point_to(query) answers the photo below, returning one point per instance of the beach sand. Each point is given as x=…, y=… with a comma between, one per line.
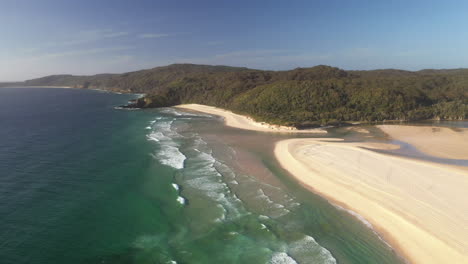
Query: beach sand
x=441, y=142
x=420, y=208
x=239, y=121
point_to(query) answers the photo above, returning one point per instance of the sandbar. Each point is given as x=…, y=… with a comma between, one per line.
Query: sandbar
x=420, y=208
x=443, y=142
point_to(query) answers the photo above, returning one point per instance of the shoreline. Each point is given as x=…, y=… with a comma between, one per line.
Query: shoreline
x=414, y=206
x=243, y=122
x=442, y=142
x=409, y=225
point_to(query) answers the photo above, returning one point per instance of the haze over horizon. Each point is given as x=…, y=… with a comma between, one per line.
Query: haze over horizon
x=87, y=37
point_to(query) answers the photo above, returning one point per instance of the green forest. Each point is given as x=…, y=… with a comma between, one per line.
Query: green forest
x=303, y=97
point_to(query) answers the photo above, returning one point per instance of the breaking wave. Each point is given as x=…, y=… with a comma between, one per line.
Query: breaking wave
x=169, y=150
x=201, y=174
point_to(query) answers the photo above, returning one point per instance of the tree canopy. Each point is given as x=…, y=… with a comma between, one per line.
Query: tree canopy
x=302, y=97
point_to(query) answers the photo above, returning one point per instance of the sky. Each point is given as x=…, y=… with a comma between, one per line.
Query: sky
x=44, y=37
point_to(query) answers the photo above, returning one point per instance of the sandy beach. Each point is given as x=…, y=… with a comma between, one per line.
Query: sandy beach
x=435, y=141
x=239, y=121
x=420, y=208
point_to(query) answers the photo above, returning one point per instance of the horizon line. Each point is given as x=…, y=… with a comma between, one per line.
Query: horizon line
x=223, y=65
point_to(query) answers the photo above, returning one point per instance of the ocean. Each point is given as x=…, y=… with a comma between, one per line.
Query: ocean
x=84, y=182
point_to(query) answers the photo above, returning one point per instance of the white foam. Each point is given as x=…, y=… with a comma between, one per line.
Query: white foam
x=358, y=216
x=126, y=108
x=148, y=127
x=263, y=196
x=263, y=217
x=279, y=213
x=212, y=186
x=206, y=183
x=307, y=248
x=171, y=156
x=295, y=204
x=151, y=138
x=169, y=153
x=279, y=208
x=223, y=214
x=205, y=157
x=156, y=136
x=198, y=141
x=176, y=186
x=204, y=164
x=281, y=258
x=364, y=221
x=181, y=200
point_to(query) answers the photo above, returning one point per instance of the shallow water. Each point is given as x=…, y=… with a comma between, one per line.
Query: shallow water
x=82, y=182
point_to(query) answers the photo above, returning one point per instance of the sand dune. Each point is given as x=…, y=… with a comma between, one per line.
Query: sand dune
x=436, y=141
x=243, y=122
x=420, y=208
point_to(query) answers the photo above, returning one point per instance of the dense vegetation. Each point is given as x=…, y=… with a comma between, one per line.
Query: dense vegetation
x=301, y=97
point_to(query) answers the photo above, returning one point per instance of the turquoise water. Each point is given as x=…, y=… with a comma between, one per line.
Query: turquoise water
x=82, y=182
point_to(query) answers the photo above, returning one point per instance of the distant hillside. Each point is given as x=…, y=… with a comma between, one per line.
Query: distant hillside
x=11, y=84
x=67, y=80
x=144, y=81
x=301, y=97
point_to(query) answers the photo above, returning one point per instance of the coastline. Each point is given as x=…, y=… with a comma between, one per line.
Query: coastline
x=242, y=122
x=408, y=202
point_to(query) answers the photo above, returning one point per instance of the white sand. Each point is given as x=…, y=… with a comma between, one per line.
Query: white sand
x=420, y=208
x=436, y=141
x=239, y=121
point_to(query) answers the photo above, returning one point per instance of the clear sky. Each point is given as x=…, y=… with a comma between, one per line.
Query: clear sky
x=42, y=37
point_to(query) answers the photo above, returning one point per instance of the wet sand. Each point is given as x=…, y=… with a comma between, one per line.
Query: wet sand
x=239, y=121
x=420, y=208
x=440, y=142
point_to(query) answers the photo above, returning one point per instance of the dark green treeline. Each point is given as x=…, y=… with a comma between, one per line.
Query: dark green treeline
x=303, y=97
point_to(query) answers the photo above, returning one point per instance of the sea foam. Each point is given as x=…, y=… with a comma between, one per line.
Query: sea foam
x=181, y=200
x=169, y=150
x=201, y=173
x=171, y=156
x=307, y=248
x=364, y=221
x=281, y=258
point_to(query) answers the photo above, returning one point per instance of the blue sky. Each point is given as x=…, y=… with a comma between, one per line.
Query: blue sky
x=42, y=37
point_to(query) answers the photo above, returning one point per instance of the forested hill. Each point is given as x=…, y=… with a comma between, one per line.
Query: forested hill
x=301, y=97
